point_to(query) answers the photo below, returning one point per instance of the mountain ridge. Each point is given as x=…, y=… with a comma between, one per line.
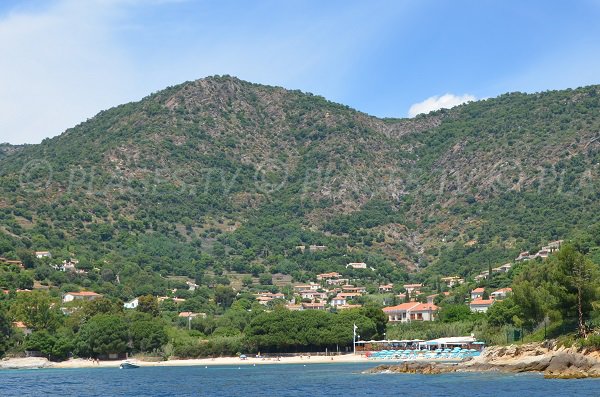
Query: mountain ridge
x=255, y=170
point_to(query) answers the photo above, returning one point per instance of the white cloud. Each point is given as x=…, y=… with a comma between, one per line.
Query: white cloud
x=437, y=102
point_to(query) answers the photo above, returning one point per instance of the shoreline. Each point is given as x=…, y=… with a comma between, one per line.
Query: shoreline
x=546, y=358
x=44, y=363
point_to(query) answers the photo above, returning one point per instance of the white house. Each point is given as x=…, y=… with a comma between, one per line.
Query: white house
x=500, y=294
x=451, y=281
x=477, y=293
x=412, y=289
x=481, y=276
x=411, y=311
x=480, y=305
x=314, y=248
x=303, y=287
x=356, y=290
x=132, y=304
x=43, y=254
x=83, y=295
x=307, y=294
x=326, y=276
x=357, y=265
x=338, y=301
x=314, y=306
x=431, y=298
x=502, y=269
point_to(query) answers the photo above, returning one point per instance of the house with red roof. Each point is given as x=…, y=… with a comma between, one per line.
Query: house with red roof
x=413, y=289
x=313, y=306
x=326, y=276
x=20, y=325
x=191, y=315
x=477, y=293
x=501, y=294
x=411, y=311
x=83, y=295
x=480, y=305
x=338, y=301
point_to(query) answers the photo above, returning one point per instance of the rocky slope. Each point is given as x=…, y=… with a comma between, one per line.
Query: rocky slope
x=220, y=158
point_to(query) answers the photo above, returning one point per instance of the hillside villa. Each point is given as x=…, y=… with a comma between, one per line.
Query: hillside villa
x=313, y=306
x=353, y=289
x=83, y=295
x=413, y=289
x=132, y=304
x=500, y=294
x=411, y=311
x=43, y=254
x=552, y=247
x=480, y=305
x=326, y=276
x=338, y=301
x=357, y=265
x=477, y=293
x=451, y=281
x=15, y=262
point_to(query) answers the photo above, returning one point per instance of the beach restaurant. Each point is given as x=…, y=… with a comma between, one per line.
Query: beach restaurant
x=465, y=342
x=377, y=345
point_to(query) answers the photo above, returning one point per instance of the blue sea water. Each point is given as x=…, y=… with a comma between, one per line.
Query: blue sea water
x=314, y=380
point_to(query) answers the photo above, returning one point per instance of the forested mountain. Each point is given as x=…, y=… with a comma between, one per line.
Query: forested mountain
x=219, y=176
x=7, y=149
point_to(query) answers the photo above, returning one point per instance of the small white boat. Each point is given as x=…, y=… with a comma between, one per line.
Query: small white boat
x=128, y=365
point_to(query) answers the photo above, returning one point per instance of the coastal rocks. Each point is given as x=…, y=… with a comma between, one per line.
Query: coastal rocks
x=25, y=363
x=572, y=365
x=412, y=367
x=553, y=362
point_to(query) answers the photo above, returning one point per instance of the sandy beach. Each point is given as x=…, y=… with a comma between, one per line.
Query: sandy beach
x=38, y=362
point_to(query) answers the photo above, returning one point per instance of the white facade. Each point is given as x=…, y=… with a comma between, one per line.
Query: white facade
x=132, y=304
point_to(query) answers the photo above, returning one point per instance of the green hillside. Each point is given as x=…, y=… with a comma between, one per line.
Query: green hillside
x=219, y=178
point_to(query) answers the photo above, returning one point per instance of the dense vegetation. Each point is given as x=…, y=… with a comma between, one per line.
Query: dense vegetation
x=218, y=181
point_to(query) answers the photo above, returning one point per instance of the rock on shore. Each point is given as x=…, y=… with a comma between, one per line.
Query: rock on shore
x=25, y=363
x=554, y=362
x=412, y=367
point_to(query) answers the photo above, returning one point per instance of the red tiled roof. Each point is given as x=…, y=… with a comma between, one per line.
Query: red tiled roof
x=83, y=293
x=482, y=301
x=402, y=306
x=423, y=307
x=476, y=290
x=187, y=314
x=410, y=306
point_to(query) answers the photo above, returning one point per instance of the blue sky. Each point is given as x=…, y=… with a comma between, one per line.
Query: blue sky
x=64, y=60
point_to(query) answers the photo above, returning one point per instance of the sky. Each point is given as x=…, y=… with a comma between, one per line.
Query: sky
x=63, y=61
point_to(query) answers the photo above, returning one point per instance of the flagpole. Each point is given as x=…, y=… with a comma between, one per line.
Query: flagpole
x=354, y=340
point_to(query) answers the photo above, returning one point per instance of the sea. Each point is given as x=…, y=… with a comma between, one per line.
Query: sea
x=313, y=380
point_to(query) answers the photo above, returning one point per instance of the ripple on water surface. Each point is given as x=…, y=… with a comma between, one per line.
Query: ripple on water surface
x=315, y=380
